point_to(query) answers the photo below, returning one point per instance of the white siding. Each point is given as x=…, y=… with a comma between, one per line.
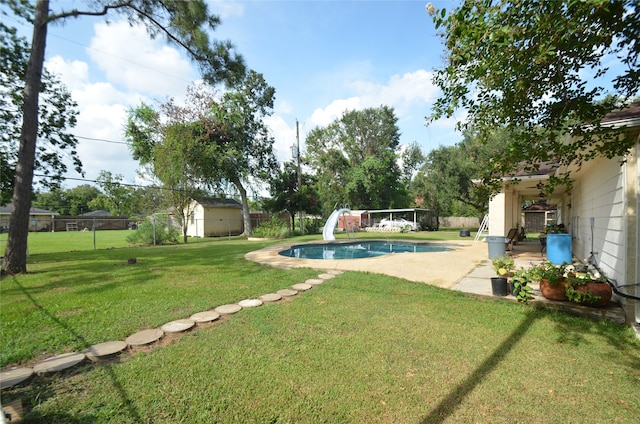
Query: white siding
x=598, y=208
x=195, y=228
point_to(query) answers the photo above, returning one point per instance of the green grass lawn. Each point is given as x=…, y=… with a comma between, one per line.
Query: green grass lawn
x=360, y=348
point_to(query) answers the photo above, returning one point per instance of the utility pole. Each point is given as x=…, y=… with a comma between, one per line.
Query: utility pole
x=299, y=172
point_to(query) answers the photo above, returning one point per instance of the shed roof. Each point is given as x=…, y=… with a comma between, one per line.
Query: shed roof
x=218, y=202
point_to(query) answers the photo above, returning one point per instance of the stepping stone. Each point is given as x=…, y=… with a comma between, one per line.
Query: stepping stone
x=206, y=316
x=101, y=350
x=271, y=297
x=58, y=363
x=326, y=276
x=314, y=281
x=301, y=286
x=287, y=292
x=144, y=337
x=178, y=326
x=14, y=376
x=334, y=272
x=250, y=303
x=231, y=308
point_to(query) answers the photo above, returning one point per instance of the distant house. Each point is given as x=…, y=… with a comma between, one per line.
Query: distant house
x=600, y=212
x=214, y=217
x=39, y=219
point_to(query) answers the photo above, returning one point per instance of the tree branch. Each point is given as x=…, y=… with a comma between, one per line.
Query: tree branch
x=75, y=12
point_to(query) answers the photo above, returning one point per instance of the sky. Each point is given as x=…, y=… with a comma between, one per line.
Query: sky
x=322, y=57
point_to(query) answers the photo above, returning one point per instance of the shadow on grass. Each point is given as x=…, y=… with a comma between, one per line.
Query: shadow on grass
x=72, y=269
x=43, y=390
x=575, y=331
x=449, y=404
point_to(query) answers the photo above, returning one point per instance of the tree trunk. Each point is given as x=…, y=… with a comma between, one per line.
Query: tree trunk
x=15, y=256
x=185, y=227
x=246, y=212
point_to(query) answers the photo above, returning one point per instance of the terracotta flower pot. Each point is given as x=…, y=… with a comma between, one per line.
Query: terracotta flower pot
x=557, y=291
x=602, y=290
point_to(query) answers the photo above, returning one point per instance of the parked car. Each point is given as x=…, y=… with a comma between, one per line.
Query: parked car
x=398, y=222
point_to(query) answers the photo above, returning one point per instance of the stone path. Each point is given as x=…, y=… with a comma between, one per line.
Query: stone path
x=13, y=376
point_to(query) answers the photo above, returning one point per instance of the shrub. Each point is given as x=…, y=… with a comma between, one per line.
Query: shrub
x=164, y=234
x=274, y=228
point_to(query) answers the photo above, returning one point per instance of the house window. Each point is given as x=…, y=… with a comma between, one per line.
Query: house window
x=192, y=217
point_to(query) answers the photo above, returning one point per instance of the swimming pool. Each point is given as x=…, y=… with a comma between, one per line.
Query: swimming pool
x=359, y=249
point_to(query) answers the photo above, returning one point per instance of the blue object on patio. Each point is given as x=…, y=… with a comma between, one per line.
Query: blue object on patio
x=559, y=249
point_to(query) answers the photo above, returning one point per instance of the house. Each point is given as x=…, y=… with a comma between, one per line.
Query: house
x=600, y=211
x=39, y=219
x=212, y=217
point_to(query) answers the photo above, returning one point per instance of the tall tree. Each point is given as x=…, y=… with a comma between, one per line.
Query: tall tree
x=412, y=159
x=208, y=142
x=541, y=69
x=356, y=160
x=168, y=145
x=286, y=195
x=116, y=197
x=57, y=113
x=445, y=182
x=183, y=23
x=241, y=148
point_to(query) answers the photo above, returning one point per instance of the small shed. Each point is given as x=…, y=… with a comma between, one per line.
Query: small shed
x=538, y=215
x=214, y=217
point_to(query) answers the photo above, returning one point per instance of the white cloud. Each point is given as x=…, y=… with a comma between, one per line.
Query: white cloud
x=73, y=74
x=401, y=91
x=129, y=57
x=324, y=116
x=284, y=135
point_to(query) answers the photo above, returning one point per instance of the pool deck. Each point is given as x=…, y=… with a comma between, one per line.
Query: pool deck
x=442, y=269
x=465, y=268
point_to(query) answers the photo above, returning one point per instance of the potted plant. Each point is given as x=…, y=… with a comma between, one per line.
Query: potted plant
x=551, y=279
x=588, y=287
x=503, y=266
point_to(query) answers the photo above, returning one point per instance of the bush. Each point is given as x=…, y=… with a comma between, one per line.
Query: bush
x=164, y=234
x=274, y=228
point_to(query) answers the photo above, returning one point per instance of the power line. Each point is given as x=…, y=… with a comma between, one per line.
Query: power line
x=126, y=184
x=101, y=139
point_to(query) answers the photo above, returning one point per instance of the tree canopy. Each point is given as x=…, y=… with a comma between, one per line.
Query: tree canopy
x=74, y=201
x=57, y=114
x=243, y=152
x=286, y=195
x=208, y=142
x=547, y=72
x=446, y=180
x=168, y=145
x=356, y=161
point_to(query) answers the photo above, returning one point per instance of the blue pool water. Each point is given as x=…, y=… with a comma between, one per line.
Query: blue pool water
x=359, y=249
